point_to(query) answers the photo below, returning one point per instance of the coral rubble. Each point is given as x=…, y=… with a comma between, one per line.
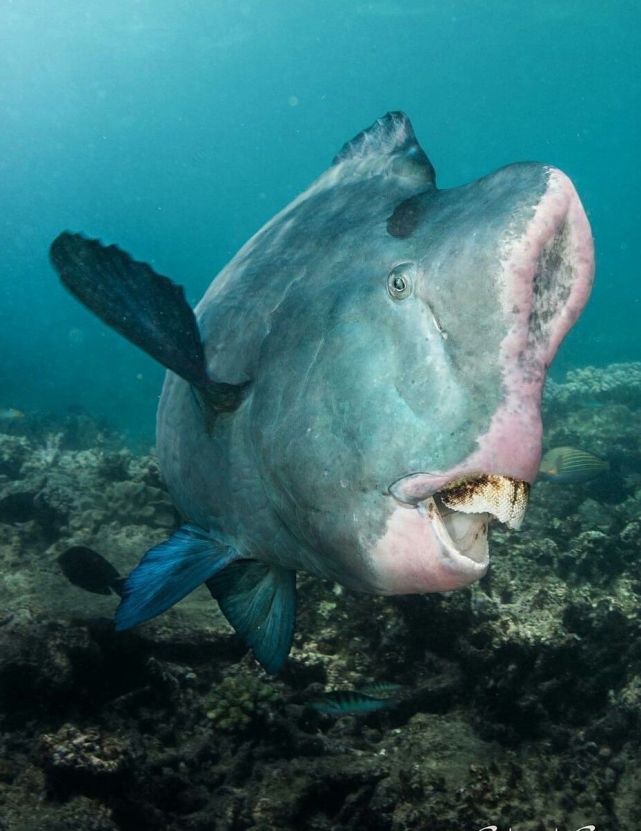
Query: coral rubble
x=521, y=695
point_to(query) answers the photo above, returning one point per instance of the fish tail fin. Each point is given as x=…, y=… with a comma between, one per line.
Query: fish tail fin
x=146, y=308
x=168, y=572
x=260, y=603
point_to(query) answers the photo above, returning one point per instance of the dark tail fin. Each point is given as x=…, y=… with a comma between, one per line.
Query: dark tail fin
x=148, y=309
x=91, y=571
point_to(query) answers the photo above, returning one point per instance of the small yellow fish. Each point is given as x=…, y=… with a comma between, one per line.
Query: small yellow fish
x=10, y=414
x=569, y=465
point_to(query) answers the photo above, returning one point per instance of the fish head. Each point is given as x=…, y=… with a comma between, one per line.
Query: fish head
x=398, y=412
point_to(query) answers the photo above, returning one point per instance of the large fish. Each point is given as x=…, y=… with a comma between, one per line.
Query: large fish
x=358, y=393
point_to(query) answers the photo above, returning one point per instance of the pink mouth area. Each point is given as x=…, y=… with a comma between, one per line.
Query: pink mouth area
x=442, y=543
x=437, y=553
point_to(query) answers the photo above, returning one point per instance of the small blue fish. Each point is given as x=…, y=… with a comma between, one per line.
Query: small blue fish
x=381, y=689
x=571, y=466
x=349, y=702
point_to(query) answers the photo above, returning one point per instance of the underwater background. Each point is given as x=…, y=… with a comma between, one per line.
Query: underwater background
x=176, y=129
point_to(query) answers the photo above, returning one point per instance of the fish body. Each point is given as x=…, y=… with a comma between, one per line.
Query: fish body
x=571, y=466
x=350, y=702
x=354, y=385
x=381, y=689
x=9, y=414
x=89, y=570
x=357, y=394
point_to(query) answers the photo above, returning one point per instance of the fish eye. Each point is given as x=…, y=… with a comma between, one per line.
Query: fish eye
x=399, y=281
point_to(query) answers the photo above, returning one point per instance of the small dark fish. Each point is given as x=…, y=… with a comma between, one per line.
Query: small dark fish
x=381, y=689
x=349, y=702
x=89, y=570
x=569, y=465
x=18, y=507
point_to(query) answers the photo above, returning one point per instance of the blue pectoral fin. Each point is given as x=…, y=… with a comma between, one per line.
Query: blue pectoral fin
x=169, y=571
x=260, y=603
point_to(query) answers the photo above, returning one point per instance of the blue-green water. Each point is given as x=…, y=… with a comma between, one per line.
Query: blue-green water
x=177, y=129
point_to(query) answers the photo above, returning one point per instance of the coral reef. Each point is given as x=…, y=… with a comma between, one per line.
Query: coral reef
x=86, y=759
x=239, y=701
x=521, y=695
x=615, y=383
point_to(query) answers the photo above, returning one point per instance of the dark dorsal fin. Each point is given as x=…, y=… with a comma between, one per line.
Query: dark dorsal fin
x=148, y=309
x=391, y=137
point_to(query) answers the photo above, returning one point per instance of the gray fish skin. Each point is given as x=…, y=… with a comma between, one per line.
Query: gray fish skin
x=351, y=391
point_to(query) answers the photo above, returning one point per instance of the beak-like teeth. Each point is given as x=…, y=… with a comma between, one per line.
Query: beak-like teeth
x=504, y=498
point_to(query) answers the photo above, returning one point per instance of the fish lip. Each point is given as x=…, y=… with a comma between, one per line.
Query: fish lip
x=462, y=509
x=472, y=558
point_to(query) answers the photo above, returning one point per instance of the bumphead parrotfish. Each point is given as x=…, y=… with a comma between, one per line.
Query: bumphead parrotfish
x=357, y=395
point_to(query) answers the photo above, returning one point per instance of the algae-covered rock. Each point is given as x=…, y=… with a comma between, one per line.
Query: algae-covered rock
x=521, y=695
x=14, y=450
x=88, y=752
x=239, y=701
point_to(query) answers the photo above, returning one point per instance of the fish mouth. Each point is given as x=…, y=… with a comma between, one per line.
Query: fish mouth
x=461, y=512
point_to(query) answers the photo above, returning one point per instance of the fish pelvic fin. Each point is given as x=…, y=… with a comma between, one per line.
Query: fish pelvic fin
x=168, y=572
x=259, y=601
x=146, y=308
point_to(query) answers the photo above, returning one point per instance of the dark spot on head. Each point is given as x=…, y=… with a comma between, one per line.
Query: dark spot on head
x=404, y=221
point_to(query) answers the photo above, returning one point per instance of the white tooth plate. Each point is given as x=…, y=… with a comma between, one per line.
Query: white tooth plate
x=503, y=498
x=460, y=534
